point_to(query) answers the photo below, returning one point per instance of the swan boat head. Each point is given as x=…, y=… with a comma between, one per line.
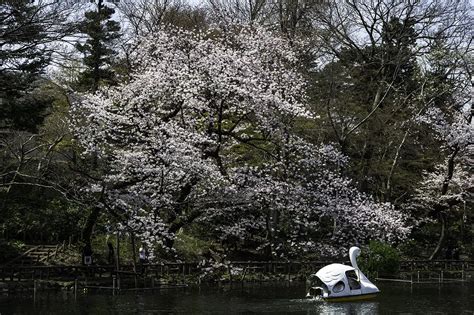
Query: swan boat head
x=338, y=282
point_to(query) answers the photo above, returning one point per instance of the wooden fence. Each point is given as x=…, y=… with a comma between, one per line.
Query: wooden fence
x=240, y=269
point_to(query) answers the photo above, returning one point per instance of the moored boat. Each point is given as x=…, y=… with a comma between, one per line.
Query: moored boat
x=340, y=283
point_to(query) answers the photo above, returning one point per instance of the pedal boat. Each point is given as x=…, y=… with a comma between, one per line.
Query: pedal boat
x=341, y=283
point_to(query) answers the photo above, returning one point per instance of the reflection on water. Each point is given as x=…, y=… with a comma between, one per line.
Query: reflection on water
x=279, y=298
x=349, y=308
x=318, y=306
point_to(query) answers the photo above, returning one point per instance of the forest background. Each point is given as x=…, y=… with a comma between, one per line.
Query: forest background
x=249, y=129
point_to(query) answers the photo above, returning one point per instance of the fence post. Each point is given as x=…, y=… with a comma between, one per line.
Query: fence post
x=184, y=276
x=288, y=266
x=34, y=289
x=75, y=288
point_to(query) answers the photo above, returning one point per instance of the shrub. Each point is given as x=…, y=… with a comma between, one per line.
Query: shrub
x=10, y=250
x=381, y=258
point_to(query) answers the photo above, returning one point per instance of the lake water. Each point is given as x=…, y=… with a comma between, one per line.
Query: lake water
x=281, y=298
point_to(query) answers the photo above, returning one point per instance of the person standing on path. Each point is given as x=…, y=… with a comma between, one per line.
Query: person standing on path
x=111, y=255
x=142, y=255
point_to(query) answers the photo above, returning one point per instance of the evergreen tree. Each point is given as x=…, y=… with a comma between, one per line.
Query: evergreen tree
x=102, y=31
x=347, y=88
x=26, y=29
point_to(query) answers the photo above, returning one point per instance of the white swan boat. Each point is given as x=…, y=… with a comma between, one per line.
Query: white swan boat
x=339, y=283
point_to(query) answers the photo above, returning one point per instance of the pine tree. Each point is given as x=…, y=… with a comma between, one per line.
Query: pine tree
x=102, y=31
x=25, y=30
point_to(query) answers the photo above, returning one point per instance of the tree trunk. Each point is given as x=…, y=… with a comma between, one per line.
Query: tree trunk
x=444, y=191
x=134, y=258
x=388, y=192
x=441, y=237
x=268, y=250
x=366, y=162
x=89, y=226
x=118, y=251
x=176, y=225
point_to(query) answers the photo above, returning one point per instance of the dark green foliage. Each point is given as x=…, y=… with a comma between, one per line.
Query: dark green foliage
x=23, y=56
x=381, y=258
x=22, y=37
x=101, y=31
x=398, y=38
x=377, y=86
x=23, y=105
x=38, y=216
x=9, y=250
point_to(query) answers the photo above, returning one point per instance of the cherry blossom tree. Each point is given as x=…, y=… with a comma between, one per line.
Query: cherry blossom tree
x=448, y=187
x=202, y=134
x=303, y=205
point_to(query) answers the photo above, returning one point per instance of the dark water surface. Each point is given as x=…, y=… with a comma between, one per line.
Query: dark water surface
x=282, y=298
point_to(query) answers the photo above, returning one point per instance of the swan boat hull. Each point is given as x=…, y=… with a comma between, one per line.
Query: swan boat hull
x=351, y=298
